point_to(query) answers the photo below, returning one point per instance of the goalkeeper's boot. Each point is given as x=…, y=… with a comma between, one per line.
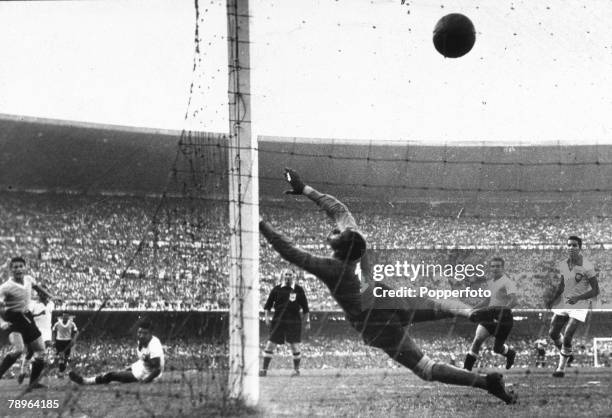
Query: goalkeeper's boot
x=497, y=388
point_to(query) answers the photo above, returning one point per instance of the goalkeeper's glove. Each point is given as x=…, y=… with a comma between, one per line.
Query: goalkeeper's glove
x=293, y=178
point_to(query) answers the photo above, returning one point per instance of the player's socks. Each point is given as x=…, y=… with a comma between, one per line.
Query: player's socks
x=558, y=342
x=504, y=350
x=22, y=366
x=267, y=359
x=470, y=360
x=37, y=367
x=296, y=361
x=563, y=359
x=510, y=357
x=7, y=362
x=564, y=356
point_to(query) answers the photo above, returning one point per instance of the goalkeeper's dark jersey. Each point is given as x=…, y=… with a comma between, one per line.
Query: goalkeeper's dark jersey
x=287, y=302
x=365, y=311
x=339, y=276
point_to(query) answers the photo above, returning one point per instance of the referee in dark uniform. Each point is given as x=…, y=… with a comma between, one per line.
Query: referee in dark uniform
x=286, y=326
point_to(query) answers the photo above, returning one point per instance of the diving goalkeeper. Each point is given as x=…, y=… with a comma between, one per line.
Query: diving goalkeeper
x=381, y=322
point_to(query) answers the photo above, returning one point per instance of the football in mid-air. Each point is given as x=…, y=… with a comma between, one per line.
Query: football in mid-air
x=454, y=35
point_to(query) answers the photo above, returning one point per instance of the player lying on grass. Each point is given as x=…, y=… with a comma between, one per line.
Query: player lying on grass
x=381, y=322
x=148, y=367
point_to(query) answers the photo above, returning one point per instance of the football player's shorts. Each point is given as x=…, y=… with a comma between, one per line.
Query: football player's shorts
x=63, y=347
x=286, y=331
x=408, y=309
x=46, y=334
x=24, y=324
x=500, y=327
x=577, y=314
x=381, y=329
x=140, y=371
x=382, y=325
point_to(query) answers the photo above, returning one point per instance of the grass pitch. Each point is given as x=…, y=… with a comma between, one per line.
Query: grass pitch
x=331, y=392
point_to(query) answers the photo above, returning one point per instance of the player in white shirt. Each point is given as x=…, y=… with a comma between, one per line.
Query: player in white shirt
x=571, y=300
x=15, y=297
x=148, y=367
x=65, y=333
x=503, y=295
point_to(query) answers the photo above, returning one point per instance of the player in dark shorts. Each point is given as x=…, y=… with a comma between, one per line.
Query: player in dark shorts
x=15, y=296
x=64, y=335
x=286, y=325
x=503, y=294
x=382, y=322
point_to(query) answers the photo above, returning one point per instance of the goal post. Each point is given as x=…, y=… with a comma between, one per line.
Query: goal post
x=243, y=214
x=597, y=343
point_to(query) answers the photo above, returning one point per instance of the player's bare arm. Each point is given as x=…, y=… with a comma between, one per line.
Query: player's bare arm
x=75, y=335
x=512, y=301
x=557, y=293
x=155, y=366
x=586, y=295
x=319, y=266
x=42, y=292
x=335, y=209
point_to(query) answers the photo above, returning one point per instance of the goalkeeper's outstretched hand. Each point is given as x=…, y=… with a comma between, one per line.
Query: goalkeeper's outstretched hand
x=293, y=178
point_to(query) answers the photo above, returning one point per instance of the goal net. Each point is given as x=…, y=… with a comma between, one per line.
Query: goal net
x=602, y=352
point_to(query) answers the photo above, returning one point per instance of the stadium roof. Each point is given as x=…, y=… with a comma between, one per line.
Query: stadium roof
x=58, y=155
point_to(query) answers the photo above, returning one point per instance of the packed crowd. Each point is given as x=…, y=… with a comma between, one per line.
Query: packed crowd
x=144, y=253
